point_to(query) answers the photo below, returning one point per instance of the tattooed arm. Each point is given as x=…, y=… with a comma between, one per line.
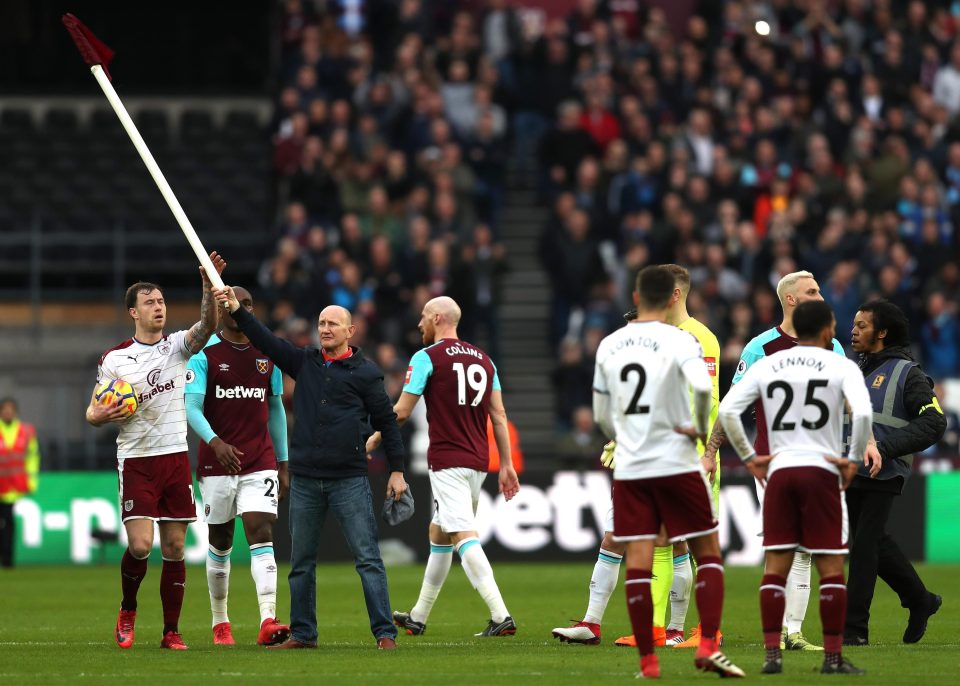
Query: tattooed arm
x=200, y=333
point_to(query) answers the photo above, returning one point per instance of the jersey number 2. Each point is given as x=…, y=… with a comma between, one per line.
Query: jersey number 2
x=812, y=386
x=634, y=407
x=474, y=376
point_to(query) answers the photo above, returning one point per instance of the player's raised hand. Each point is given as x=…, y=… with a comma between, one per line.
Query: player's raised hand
x=509, y=482
x=873, y=460
x=218, y=263
x=758, y=466
x=227, y=455
x=848, y=469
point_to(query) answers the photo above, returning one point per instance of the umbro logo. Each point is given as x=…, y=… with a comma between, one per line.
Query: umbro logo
x=224, y=367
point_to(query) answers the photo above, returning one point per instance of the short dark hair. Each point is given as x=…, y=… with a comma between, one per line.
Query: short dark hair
x=810, y=318
x=890, y=318
x=9, y=401
x=630, y=315
x=130, y=299
x=655, y=285
x=681, y=275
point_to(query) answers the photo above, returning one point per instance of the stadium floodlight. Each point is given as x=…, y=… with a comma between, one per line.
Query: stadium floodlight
x=98, y=56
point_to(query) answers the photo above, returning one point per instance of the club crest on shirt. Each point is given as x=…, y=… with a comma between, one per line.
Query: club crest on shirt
x=878, y=380
x=164, y=348
x=263, y=364
x=127, y=505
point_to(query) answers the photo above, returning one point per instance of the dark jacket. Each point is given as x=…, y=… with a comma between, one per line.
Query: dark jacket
x=926, y=420
x=334, y=405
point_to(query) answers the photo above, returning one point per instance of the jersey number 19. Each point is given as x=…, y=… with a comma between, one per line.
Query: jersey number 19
x=474, y=376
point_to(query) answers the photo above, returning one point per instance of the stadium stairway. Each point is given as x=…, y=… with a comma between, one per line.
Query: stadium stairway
x=527, y=358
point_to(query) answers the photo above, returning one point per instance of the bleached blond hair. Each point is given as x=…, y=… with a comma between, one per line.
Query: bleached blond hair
x=786, y=284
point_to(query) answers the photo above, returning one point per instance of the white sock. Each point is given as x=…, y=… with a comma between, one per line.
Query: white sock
x=438, y=566
x=263, y=568
x=480, y=573
x=680, y=591
x=602, y=582
x=218, y=582
x=798, y=592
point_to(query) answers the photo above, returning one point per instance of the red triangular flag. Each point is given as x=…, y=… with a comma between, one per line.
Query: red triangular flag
x=92, y=49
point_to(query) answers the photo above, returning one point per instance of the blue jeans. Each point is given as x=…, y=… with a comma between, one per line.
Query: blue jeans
x=351, y=502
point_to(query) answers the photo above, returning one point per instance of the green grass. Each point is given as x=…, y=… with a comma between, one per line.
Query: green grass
x=57, y=628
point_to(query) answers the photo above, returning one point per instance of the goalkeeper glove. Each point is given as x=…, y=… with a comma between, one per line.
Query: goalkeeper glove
x=606, y=458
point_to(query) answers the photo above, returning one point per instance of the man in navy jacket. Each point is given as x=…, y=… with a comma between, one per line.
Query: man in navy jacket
x=338, y=397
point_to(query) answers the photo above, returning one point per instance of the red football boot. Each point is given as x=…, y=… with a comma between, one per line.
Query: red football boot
x=172, y=640
x=222, y=635
x=272, y=632
x=124, y=631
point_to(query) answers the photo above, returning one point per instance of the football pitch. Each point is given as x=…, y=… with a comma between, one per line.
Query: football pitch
x=58, y=622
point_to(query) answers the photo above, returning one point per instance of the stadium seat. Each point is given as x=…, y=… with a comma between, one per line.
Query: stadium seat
x=60, y=120
x=16, y=120
x=154, y=127
x=195, y=126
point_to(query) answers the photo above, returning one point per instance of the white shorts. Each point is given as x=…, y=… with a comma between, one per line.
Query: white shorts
x=228, y=497
x=608, y=524
x=456, y=492
x=844, y=531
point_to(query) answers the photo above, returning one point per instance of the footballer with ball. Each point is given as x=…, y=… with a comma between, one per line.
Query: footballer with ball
x=154, y=470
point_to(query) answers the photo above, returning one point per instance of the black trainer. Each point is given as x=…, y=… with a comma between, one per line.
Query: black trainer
x=856, y=641
x=505, y=628
x=917, y=624
x=845, y=667
x=772, y=667
x=411, y=626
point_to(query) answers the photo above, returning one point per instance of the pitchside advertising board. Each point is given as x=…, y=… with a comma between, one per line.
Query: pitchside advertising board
x=74, y=518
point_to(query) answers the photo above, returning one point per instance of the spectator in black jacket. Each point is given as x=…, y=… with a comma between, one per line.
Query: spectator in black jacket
x=338, y=398
x=906, y=419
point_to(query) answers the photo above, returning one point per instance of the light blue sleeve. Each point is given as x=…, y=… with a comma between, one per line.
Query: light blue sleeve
x=276, y=381
x=277, y=426
x=418, y=373
x=837, y=348
x=496, y=378
x=196, y=382
x=195, y=418
x=750, y=354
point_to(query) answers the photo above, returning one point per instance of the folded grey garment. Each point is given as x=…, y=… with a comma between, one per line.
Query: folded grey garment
x=397, y=511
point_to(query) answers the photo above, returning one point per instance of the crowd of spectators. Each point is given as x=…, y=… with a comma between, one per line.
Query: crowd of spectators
x=744, y=141
x=390, y=151
x=829, y=144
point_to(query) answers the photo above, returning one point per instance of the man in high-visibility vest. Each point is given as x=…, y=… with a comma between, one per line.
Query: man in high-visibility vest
x=19, y=465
